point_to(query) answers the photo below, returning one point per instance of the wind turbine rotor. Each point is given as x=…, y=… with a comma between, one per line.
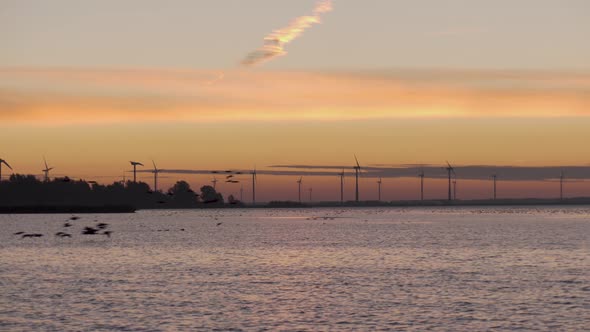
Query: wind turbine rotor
x=2, y=161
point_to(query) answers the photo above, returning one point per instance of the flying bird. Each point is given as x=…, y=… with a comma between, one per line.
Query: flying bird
x=89, y=231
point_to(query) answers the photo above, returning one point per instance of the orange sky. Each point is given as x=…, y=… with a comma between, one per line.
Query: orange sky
x=90, y=122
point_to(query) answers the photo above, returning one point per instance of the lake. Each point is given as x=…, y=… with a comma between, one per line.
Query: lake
x=455, y=269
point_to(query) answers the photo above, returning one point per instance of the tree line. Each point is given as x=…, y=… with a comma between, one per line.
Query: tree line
x=27, y=190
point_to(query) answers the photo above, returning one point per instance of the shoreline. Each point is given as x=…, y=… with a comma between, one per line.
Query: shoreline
x=47, y=209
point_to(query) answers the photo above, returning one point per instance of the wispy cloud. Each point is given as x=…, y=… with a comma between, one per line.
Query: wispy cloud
x=467, y=172
x=63, y=96
x=274, y=44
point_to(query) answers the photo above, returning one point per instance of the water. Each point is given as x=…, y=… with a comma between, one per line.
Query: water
x=456, y=269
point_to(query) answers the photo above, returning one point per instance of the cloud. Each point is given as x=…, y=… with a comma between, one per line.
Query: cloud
x=466, y=172
x=274, y=43
x=94, y=96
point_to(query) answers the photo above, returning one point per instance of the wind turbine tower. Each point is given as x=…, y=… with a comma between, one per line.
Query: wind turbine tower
x=46, y=170
x=254, y=186
x=310, y=191
x=561, y=178
x=495, y=179
x=357, y=170
x=421, y=175
x=299, y=185
x=451, y=171
x=214, y=181
x=135, y=164
x=2, y=161
x=341, y=187
x=156, y=171
x=379, y=189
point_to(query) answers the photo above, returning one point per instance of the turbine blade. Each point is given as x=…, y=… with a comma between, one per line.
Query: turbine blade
x=155, y=168
x=45, y=161
x=357, y=162
x=5, y=163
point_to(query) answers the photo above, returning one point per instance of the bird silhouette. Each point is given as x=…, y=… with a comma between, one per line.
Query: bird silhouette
x=89, y=231
x=32, y=235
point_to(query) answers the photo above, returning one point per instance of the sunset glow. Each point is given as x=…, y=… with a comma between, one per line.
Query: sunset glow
x=394, y=93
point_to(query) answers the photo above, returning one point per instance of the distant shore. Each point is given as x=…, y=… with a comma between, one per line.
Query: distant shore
x=430, y=203
x=290, y=204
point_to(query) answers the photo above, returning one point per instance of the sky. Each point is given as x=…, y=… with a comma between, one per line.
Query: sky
x=92, y=85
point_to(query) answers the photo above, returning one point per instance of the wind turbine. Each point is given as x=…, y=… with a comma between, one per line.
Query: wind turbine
x=46, y=170
x=214, y=181
x=2, y=161
x=310, y=191
x=341, y=187
x=135, y=164
x=357, y=170
x=379, y=190
x=451, y=170
x=561, y=178
x=155, y=171
x=254, y=186
x=495, y=179
x=299, y=185
x=421, y=175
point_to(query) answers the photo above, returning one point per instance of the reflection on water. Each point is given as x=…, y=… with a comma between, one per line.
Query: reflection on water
x=345, y=269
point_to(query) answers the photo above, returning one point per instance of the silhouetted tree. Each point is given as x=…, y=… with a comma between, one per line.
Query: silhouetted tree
x=210, y=196
x=182, y=194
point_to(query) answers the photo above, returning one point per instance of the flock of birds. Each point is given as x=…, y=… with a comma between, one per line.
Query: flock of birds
x=98, y=229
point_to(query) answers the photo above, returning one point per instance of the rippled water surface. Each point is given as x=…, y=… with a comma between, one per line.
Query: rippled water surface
x=318, y=269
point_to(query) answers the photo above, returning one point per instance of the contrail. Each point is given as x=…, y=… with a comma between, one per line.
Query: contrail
x=274, y=44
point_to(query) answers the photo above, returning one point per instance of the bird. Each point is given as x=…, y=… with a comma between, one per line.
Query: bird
x=74, y=218
x=102, y=225
x=89, y=231
x=19, y=233
x=67, y=224
x=32, y=235
x=219, y=223
x=107, y=233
